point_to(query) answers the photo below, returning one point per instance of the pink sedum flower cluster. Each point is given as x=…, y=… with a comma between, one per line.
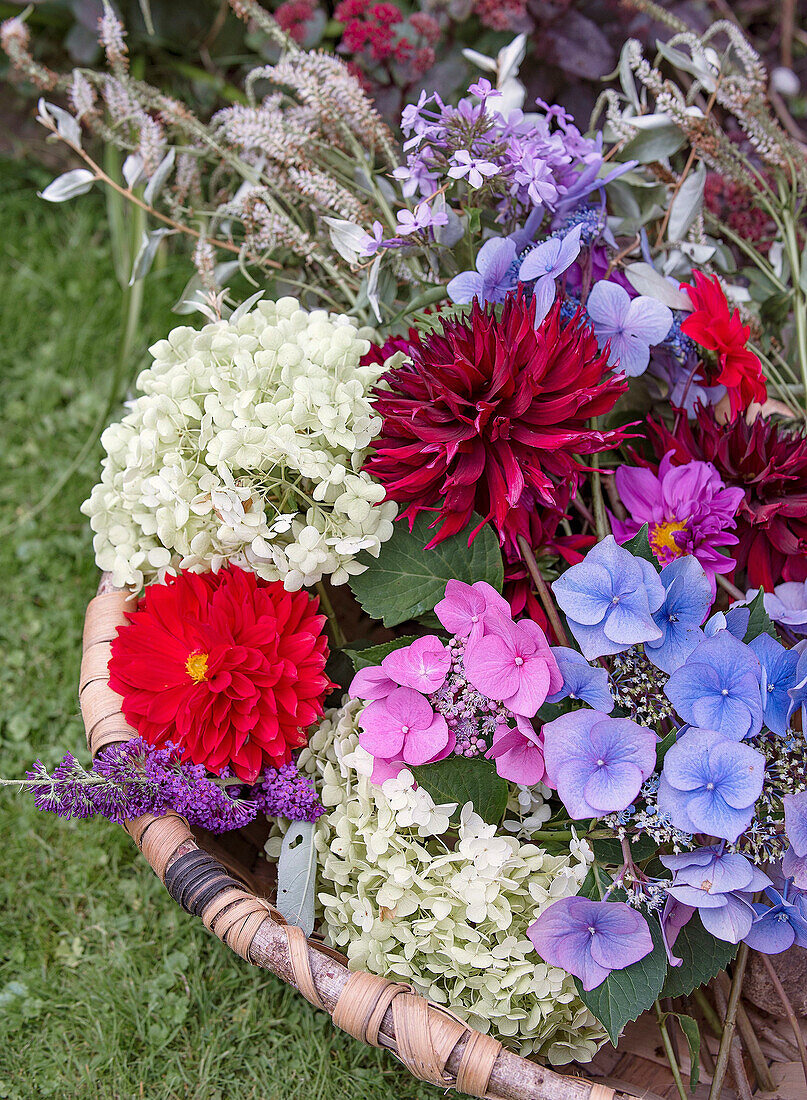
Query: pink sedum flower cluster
x=477, y=694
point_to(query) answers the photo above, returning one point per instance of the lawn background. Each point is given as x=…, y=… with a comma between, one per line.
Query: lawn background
x=108, y=990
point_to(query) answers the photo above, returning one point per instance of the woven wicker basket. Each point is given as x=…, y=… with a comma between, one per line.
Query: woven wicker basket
x=226, y=882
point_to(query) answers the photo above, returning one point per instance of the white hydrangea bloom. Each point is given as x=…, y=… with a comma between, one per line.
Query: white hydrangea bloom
x=451, y=920
x=246, y=445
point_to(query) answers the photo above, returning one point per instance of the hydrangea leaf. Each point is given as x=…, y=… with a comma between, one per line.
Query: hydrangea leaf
x=366, y=656
x=625, y=994
x=462, y=780
x=760, y=621
x=703, y=957
x=407, y=580
x=639, y=546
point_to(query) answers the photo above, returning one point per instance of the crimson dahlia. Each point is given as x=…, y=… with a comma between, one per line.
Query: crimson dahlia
x=228, y=668
x=770, y=464
x=488, y=415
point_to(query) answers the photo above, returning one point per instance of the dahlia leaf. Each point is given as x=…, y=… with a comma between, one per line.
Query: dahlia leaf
x=407, y=580
x=759, y=621
x=462, y=780
x=297, y=875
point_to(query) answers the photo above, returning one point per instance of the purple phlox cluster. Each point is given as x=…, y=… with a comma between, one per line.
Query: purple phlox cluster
x=582, y=681
x=135, y=778
x=590, y=938
x=687, y=508
x=629, y=326
x=710, y=783
x=544, y=263
x=681, y=387
x=609, y=599
x=778, y=677
x=781, y=924
x=718, y=687
x=786, y=605
x=287, y=792
x=597, y=764
x=494, y=277
x=420, y=219
x=720, y=885
x=686, y=604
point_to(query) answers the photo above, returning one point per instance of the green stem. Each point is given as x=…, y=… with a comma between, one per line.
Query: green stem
x=336, y=630
x=668, y=1050
x=729, y=1023
x=799, y=303
x=600, y=515
x=712, y=1018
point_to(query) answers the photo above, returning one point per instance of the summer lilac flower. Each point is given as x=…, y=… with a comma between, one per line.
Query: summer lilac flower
x=609, y=599
x=423, y=665
x=780, y=925
x=518, y=753
x=686, y=604
x=512, y=663
x=687, y=508
x=710, y=783
x=787, y=605
x=631, y=325
x=402, y=729
x=778, y=676
x=717, y=687
x=476, y=169
x=597, y=764
x=720, y=886
x=796, y=821
x=590, y=938
x=423, y=217
x=287, y=792
x=545, y=263
x=493, y=277
x=582, y=681
x=465, y=607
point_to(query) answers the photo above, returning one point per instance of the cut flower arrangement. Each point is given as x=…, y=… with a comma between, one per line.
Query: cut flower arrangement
x=470, y=552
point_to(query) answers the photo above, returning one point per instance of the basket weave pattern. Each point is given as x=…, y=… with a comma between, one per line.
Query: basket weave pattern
x=435, y=1045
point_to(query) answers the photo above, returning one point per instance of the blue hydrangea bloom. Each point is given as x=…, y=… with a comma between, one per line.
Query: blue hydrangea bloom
x=686, y=604
x=796, y=821
x=545, y=263
x=780, y=925
x=709, y=784
x=609, y=599
x=720, y=885
x=735, y=620
x=494, y=275
x=798, y=693
x=629, y=326
x=778, y=676
x=582, y=681
x=718, y=687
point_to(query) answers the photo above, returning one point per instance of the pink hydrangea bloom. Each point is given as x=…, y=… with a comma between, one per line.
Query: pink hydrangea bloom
x=512, y=663
x=519, y=753
x=423, y=665
x=402, y=729
x=687, y=508
x=371, y=683
x=466, y=607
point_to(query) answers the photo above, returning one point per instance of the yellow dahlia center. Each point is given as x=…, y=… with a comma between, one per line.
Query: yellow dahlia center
x=662, y=539
x=196, y=667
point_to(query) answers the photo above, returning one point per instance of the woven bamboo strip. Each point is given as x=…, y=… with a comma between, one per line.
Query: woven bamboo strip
x=434, y=1044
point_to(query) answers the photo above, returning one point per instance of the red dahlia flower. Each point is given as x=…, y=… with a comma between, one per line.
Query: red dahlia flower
x=227, y=667
x=714, y=327
x=488, y=415
x=770, y=465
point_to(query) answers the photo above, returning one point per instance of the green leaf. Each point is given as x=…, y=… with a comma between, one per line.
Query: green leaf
x=626, y=994
x=407, y=580
x=703, y=957
x=639, y=546
x=664, y=746
x=466, y=780
x=654, y=144
x=759, y=621
x=686, y=205
x=370, y=655
x=693, y=1037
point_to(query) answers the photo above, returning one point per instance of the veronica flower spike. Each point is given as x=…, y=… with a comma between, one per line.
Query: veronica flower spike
x=545, y=263
x=631, y=326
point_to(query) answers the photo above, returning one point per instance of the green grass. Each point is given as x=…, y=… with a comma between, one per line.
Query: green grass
x=108, y=991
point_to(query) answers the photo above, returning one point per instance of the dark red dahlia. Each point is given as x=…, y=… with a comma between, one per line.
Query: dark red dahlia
x=770, y=464
x=229, y=668
x=488, y=415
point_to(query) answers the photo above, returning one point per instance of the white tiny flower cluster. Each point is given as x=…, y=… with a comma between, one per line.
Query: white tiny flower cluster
x=449, y=920
x=246, y=446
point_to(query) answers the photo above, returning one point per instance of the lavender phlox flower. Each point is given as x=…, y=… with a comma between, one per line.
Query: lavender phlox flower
x=781, y=924
x=535, y=177
x=590, y=683
x=494, y=275
x=710, y=783
x=631, y=326
x=597, y=764
x=465, y=608
x=475, y=170
x=795, y=805
x=590, y=938
x=609, y=599
x=372, y=241
x=545, y=263
x=422, y=218
x=483, y=89
x=718, y=687
x=720, y=885
x=681, y=390
x=778, y=676
x=686, y=604
x=787, y=605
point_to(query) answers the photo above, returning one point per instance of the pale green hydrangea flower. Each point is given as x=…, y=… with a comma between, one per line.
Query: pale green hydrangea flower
x=246, y=446
x=451, y=921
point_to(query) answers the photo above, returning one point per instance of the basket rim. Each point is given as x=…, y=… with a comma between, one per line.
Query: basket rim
x=434, y=1044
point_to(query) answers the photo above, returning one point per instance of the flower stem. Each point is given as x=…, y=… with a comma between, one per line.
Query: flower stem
x=336, y=630
x=668, y=1050
x=788, y=1007
x=729, y=1023
x=542, y=589
x=732, y=589
x=601, y=523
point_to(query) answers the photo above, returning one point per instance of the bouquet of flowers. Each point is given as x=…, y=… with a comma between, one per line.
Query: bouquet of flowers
x=534, y=400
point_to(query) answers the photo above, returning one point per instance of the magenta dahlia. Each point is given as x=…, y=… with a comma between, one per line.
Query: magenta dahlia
x=488, y=415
